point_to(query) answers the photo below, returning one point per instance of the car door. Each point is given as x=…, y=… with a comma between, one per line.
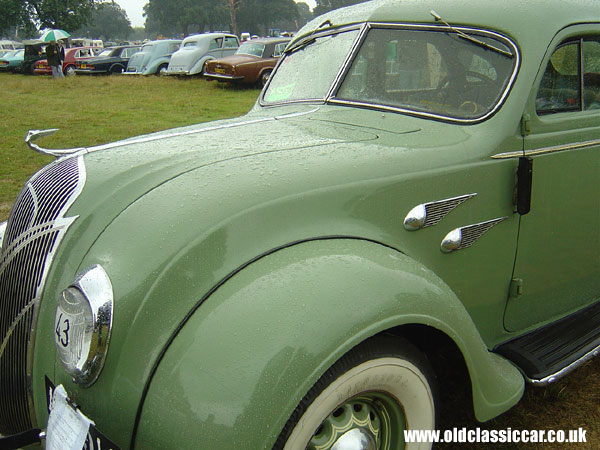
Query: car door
x=557, y=267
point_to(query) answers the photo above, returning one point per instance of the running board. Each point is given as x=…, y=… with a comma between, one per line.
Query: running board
x=551, y=352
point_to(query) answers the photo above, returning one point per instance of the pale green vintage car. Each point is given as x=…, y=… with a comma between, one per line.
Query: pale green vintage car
x=417, y=180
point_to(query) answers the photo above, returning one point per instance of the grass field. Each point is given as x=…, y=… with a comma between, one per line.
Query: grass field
x=92, y=111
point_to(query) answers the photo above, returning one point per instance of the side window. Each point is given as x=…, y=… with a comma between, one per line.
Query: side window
x=559, y=90
x=215, y=43
x=591, y=74
x=231, y=42
x=571, y=81
x=279, y=48
x=173, y=48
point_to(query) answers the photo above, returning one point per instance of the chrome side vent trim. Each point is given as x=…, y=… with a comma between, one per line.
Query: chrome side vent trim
x=33, y=232
x=464, y=237
x=429, y=214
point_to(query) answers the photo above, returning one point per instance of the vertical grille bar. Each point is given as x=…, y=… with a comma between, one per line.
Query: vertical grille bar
x=35, y=227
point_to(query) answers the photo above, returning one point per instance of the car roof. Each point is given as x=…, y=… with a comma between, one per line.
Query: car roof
x=521, y=20
x=195, y=37
x=274, y=40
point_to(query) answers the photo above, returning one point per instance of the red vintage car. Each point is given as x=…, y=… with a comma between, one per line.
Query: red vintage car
x=72, y=56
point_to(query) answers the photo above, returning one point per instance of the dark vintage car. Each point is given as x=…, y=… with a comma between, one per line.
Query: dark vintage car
x=110, y=61
x=411, y=208
x=34, y=51
x=72, y=57
x=252, y=63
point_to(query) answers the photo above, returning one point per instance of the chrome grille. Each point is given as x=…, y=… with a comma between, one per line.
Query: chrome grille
x=35, y=227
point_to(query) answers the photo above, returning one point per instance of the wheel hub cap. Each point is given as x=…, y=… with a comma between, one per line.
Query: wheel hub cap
x=356, y=439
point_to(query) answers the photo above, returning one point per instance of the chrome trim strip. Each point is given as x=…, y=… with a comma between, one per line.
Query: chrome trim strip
x=464, y=237
x=337, y=81
x=431, y=213
x=83, y=150
x=547, y=150
x=566, y=370
x=33, y=135
x=2, y=231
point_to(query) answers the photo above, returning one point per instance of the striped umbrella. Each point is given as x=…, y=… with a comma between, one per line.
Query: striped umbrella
x=54, y=35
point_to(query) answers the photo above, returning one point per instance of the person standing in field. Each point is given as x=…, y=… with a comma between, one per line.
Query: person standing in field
x=53, y=58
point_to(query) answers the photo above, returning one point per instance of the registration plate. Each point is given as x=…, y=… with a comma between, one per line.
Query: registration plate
x=219, y=70
x=83, y=66
x=68, y=428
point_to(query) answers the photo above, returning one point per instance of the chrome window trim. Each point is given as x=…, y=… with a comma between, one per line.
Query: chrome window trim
x=434, y=28
x=547, y=150
x=364, y=29
x=317, y=34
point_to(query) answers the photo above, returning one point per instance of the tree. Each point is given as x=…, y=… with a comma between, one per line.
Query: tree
x=234, y=5
x=327, y=5
x=66, y=14
x=257, y=16
x=108, y=21
x=164, y=16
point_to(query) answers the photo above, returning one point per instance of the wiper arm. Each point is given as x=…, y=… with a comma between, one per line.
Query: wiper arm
x=308, y=40
x=471, y=38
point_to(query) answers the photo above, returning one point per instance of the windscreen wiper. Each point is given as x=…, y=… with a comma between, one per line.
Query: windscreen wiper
x=471, y=38
x=311, y=39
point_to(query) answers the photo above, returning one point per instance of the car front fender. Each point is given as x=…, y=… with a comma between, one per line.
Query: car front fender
x=252, y=348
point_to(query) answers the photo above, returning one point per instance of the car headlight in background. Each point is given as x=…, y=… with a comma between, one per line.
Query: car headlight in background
x=82, y=325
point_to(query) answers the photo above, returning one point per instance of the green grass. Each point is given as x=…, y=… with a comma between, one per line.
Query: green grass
x=96, y=110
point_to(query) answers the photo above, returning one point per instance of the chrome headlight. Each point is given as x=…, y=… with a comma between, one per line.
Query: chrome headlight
x=82, y=325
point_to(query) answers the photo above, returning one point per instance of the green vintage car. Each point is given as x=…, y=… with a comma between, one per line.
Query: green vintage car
x=415, y=189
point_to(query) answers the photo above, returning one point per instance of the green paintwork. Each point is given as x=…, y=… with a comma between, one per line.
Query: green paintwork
x=173, y=218
x=307, y=306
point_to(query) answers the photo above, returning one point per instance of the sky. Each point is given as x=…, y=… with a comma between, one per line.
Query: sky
x=135, y=9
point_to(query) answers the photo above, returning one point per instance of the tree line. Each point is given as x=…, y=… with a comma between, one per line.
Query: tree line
x=108, y=21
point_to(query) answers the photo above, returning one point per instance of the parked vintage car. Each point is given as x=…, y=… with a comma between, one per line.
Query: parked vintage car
x=252, y=63
x=153, y=58
x=6, y=44
x=72, y=57
x=111, y=60
x=12, y=61
x=197, y=49
x=34, y=50
x=415, y=192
